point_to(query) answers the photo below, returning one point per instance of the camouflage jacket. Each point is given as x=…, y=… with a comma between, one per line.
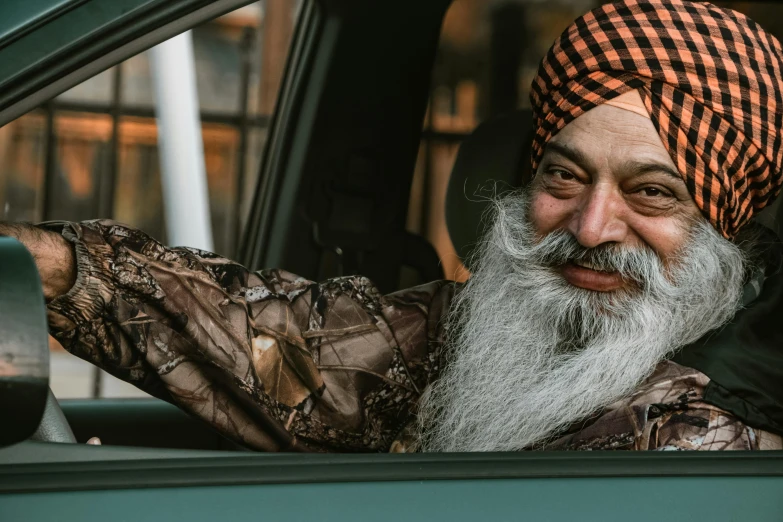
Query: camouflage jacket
x=279, y=363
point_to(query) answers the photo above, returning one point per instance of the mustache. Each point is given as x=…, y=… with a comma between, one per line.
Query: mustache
x=637, y=264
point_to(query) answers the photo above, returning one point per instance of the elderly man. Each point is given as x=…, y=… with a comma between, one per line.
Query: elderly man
x=657, y=141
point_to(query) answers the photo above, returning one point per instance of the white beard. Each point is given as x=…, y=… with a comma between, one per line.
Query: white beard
x=529, y=354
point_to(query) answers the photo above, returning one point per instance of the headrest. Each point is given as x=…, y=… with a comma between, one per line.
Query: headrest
x=493, y=160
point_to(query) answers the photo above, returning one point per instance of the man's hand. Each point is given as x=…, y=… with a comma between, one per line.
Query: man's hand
x=53, y=255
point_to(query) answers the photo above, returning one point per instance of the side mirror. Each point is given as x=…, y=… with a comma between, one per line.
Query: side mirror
x=24, y=344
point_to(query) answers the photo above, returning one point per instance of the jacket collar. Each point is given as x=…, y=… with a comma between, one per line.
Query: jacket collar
x=744, y=359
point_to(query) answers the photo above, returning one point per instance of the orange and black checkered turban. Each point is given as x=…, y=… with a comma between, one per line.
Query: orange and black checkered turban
x=710, y=79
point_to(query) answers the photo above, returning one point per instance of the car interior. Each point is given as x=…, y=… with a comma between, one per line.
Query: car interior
x=490, y=159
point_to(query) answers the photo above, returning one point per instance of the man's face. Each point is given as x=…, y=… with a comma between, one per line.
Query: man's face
x=607, y=178
x=546, y=332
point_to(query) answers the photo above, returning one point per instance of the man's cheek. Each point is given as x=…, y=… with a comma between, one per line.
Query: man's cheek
x=666, y=237
x=547, y=213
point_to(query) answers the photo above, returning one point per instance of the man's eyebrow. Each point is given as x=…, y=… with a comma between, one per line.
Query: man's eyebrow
x=645, y=167
x=571, y=153
x=633, y=166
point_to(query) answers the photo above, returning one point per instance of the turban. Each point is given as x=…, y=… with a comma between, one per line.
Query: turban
x=710, y=79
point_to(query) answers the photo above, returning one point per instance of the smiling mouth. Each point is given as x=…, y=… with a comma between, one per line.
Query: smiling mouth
x=584, y=274
x=587, y=264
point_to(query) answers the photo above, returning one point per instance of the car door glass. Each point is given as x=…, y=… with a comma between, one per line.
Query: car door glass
x=92, y=152
x=487, y=58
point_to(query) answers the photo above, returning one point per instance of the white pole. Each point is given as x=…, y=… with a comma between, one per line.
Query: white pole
x=180, y=145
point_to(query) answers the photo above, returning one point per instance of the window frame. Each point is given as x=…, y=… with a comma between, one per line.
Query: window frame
x=99, y=468
x=110, y=41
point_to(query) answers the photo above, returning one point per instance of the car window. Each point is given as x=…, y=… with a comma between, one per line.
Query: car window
x=487, y=58
x=92, y=152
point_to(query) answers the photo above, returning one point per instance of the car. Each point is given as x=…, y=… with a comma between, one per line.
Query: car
x=332, y=197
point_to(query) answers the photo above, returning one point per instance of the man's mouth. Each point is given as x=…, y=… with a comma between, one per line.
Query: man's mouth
x=585, y=275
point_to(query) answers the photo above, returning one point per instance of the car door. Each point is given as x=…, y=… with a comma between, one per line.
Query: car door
x=100, y=484
x=327, y=125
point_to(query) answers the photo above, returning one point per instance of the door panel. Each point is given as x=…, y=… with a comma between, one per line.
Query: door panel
x=606, y=499
x=549, y=486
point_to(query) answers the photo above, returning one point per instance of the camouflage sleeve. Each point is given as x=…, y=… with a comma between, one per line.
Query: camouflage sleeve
x=667, y=412
x=271, y=360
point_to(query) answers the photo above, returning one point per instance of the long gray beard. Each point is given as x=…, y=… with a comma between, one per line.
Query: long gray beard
x=530, y=354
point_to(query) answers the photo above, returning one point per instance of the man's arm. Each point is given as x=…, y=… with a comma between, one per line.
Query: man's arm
x=271, y=360
x=53, y=255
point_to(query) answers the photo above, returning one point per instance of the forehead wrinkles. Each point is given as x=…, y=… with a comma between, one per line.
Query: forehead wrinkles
x=610, y=134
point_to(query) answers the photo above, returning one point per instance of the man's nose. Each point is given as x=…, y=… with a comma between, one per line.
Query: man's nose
x=598, y=219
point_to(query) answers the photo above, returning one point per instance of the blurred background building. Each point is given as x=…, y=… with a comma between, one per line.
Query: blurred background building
x=92, y=152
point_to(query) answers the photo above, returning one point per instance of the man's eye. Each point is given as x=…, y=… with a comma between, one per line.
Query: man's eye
x=653, y=192
x=562, y=175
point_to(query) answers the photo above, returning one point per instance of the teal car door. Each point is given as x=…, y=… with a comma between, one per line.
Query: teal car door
x=544, y=486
